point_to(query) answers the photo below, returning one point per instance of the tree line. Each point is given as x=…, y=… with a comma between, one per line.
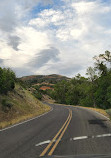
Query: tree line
x=93, y=90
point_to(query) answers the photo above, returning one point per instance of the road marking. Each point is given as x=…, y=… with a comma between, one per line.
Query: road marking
x=101, y=114
x=104, y=135
x=77, y=138
x=82, y=137
x=92, y=137
x=25, y=121
x=60, y=137
x=42, y=143
x=54, y=139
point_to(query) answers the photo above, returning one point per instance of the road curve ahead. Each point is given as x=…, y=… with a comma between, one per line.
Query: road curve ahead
x=65, y=130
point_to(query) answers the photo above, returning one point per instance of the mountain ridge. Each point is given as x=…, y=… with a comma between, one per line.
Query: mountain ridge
x=52, y=78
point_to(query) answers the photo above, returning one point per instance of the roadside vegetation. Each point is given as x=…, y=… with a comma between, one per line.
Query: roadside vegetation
x=7, y=80
x=94, y=90
x=16, y=102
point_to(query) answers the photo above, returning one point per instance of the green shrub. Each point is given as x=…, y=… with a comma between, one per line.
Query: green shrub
x=7, y=80
x=6, y=105
x=86, y=102
x=37, y=95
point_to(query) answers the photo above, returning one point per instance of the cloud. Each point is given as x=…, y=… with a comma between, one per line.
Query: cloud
x=13, y=12
x=66, y=68
x=8, y=17
x=38, y=39
x=14, y=41
x=1, y=61
x=20, y=71
x=44, y=57
x=13, y=15
x=29, y=4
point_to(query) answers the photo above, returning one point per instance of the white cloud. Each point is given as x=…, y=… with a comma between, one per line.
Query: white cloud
x=88, y=7
x=77, y=30
x=32, y=40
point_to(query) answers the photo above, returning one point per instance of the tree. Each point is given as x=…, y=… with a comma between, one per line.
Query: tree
x=60, y=90
x=103, y=66
x=7, y=80
x=92, y=91
x=106, y=57
x=92, y=77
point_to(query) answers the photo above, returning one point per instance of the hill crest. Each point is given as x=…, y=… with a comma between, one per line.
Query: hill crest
x=52, y=78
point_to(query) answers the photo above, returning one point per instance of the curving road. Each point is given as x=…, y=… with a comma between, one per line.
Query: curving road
x=65, y=130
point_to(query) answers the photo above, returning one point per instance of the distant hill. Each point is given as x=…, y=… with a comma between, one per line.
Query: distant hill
x=50, y=79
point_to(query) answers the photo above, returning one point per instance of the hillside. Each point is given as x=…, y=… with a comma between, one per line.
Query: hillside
x=40, y=85
x=50, y=79
x=23, y=106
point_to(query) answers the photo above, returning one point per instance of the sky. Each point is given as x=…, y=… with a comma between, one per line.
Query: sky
x=53, y=36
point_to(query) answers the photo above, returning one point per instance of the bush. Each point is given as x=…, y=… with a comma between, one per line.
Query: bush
x=86, y=102
x=37, y=95
x=7, y=80
x=6, y=105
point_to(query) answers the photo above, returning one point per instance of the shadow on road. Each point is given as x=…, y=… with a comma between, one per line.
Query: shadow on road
x=99, y=122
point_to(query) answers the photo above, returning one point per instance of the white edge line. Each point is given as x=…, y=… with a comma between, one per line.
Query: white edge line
x=100, y=114
x=25, y=121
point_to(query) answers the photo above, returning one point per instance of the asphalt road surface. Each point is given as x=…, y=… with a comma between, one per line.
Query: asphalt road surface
x=65, y=130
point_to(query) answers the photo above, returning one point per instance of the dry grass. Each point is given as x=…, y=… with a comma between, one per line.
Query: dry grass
x=48, y=99
x=109, y=113
x=25, y=106
x=22, y=118
x=101, y=111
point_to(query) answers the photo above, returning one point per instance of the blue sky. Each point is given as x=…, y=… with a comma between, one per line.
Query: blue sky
x=53, y=37
x=40, y=7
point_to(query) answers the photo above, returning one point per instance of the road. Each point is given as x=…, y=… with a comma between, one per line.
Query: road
x=65, y=130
